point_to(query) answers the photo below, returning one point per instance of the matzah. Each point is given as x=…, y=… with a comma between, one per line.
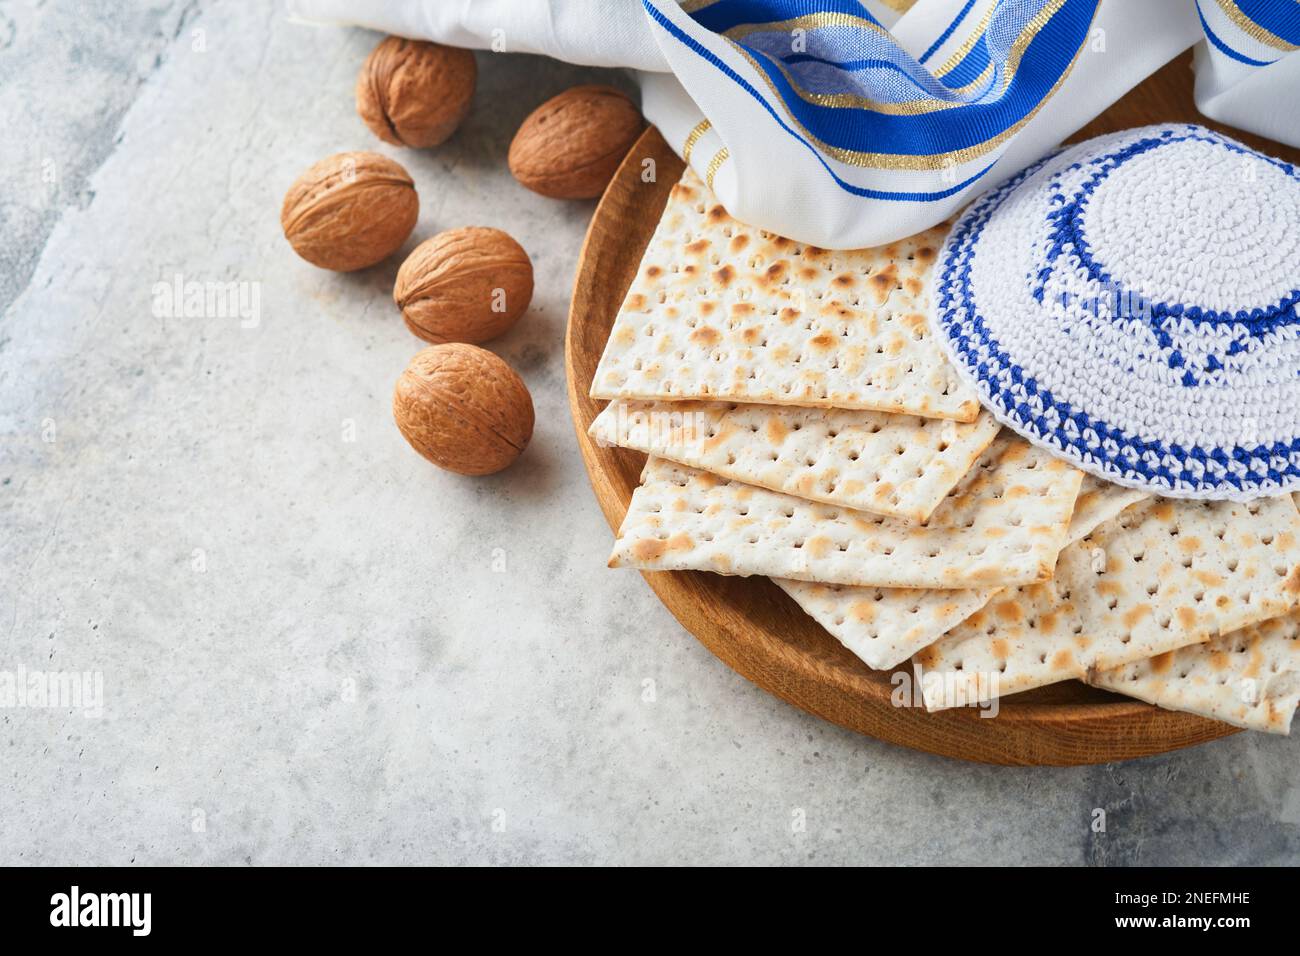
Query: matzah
x=897, y=465
x=723, y=311
x=1098, y=502
x=1250, y=678
x=1003, y=524
x=886, y=626
x=1162, y=575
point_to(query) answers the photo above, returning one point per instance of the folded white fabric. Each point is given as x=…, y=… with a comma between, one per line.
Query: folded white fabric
x=1247, y=71
x=589, y=32
x=843, y=124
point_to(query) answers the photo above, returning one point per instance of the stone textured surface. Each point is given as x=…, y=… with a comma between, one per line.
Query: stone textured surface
x=317, y=649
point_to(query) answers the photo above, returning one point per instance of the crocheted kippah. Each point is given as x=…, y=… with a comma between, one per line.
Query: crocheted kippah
x=1130, y=304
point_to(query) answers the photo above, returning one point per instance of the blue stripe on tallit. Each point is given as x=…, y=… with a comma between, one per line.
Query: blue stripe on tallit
x=1279, y=17
x=1223, y=47
x=860, y=130
x=727, y=14
x=943, y=37
x=867, y=193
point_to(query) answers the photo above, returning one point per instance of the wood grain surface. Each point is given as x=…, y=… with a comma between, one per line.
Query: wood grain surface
x=750, y=623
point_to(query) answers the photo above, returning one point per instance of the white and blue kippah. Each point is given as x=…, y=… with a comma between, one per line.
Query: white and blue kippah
x=1129, y=303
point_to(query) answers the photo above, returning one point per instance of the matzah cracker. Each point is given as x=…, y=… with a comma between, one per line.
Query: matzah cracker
x=886, y=626
x=897, y=465
x=1004, y=523
x=1162, y=575
x=723, y=311
x=1098, y=502
x=1250, y=678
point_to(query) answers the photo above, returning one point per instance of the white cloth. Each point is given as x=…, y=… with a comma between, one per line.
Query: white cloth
x=1247, y=75
x=773, y=157
x=612, y=33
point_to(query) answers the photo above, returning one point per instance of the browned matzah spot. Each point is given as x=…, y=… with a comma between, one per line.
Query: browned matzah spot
x=722, y=311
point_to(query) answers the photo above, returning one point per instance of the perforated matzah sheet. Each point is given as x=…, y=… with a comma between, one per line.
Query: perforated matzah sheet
x=1098, y=502
x=1250, y=678
x=886, y=626
x=1161, y=575
x=897, y=465
x=1003, y=523
x=722, y=311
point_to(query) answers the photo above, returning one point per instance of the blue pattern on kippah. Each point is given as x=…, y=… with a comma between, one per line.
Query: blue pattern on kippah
x=1017, y=398
x=1067, y=234
x=1068, y=231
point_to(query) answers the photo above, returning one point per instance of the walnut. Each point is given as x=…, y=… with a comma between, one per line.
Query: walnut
x=569, y=147
x=350, y=211
x=464, y=285
x=414, y=93
x=463, y=408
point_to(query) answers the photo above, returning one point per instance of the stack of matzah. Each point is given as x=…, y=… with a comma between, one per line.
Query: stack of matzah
x=802, y=424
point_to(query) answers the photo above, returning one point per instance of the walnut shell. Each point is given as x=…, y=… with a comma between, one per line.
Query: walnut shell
x=464, y=285
x=415, y=93
x=463, y=408
x=569, y=147
x=350, y=211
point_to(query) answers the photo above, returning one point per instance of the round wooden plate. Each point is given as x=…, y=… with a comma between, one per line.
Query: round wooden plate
x=759, y=631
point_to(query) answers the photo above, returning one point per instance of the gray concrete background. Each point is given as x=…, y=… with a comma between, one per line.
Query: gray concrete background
x=322, y=650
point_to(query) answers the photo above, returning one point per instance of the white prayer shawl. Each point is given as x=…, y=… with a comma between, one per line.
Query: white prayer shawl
x=848, y=124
